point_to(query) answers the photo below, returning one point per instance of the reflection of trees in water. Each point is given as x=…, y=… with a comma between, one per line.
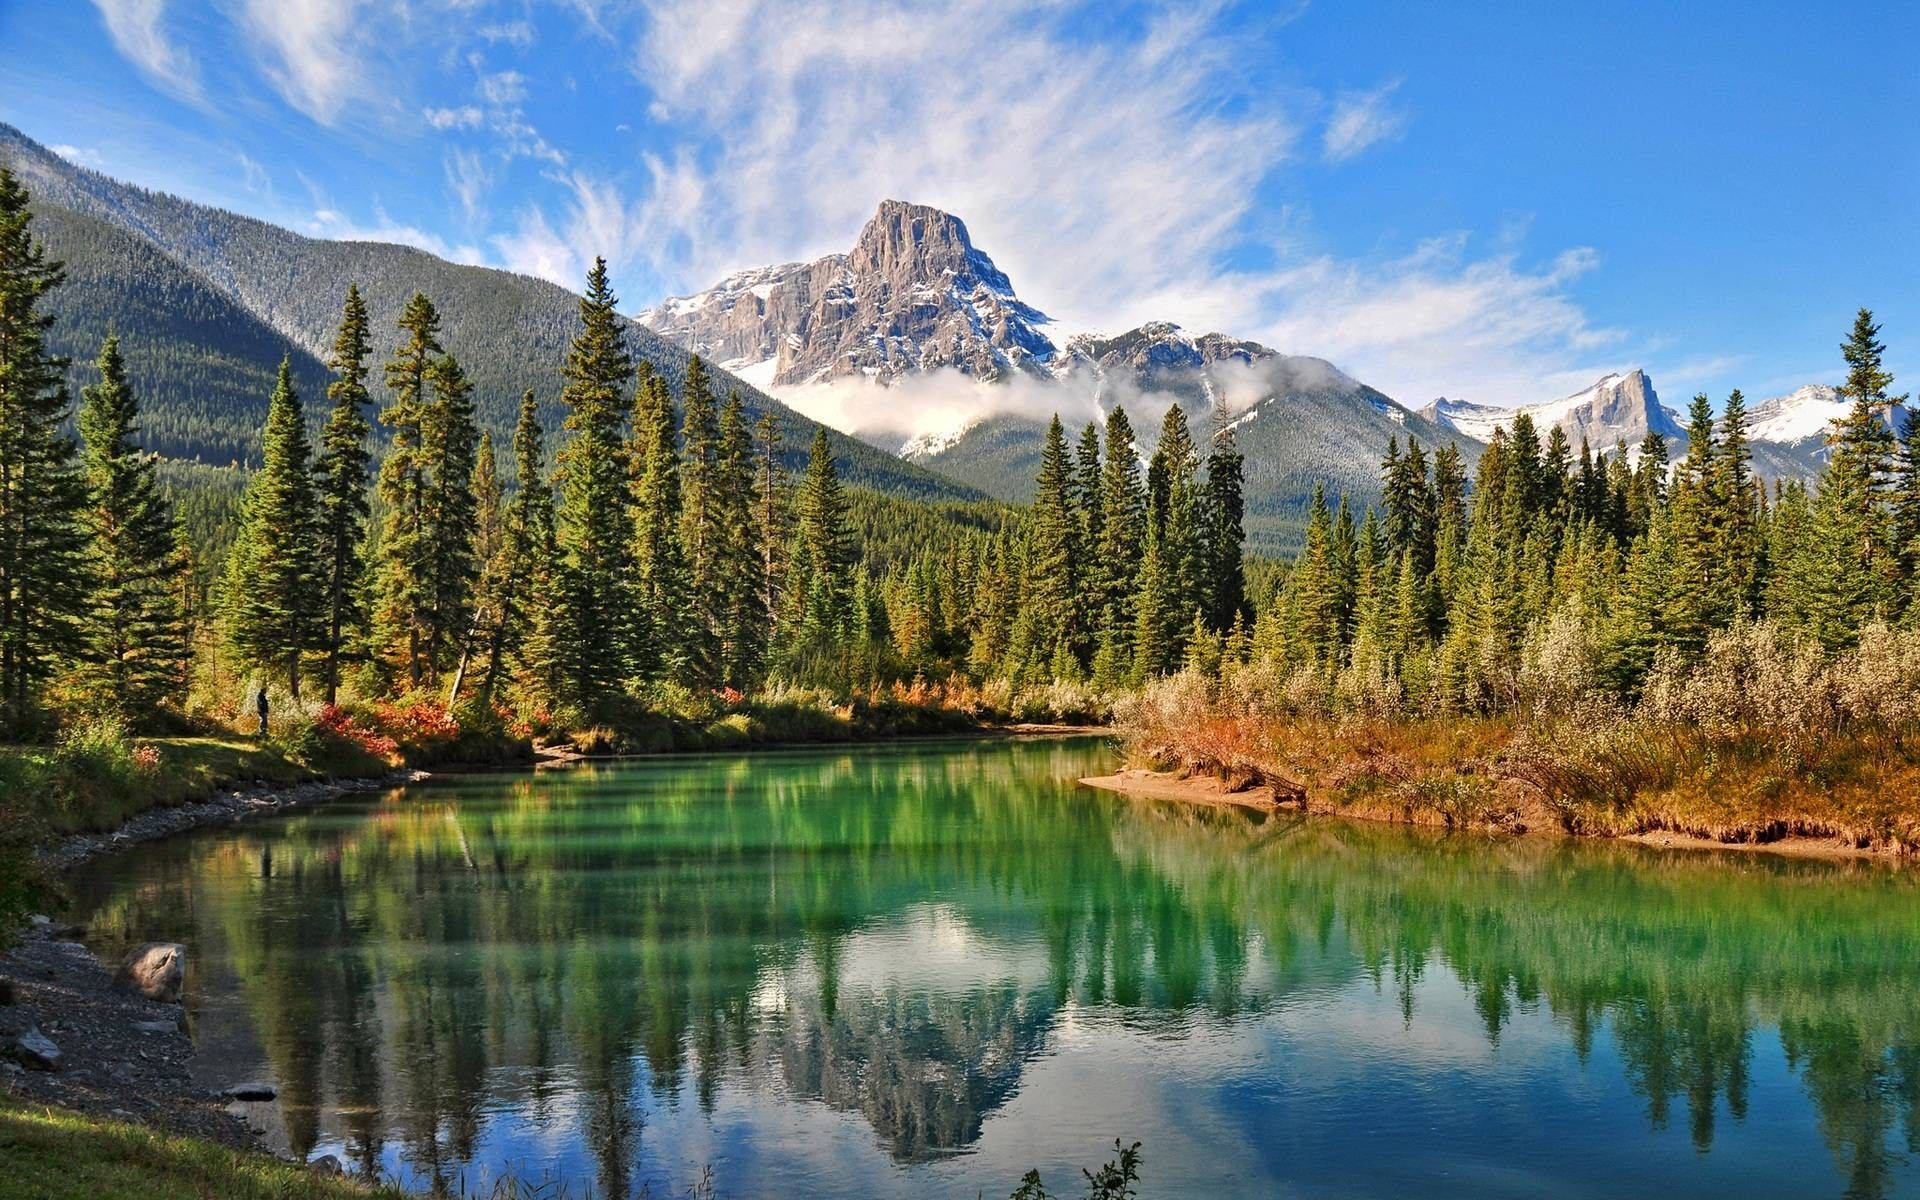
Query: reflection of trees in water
x=581, y=936
x=1680, y=957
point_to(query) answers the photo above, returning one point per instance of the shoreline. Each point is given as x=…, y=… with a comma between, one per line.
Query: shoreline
x=116, y=1061
x=229, y=805
x=1208, y=791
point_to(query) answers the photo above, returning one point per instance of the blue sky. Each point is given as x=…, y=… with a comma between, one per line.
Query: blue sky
x=1491, y=202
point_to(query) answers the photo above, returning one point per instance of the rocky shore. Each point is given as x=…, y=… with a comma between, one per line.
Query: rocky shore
x=228, y=805
x=74, y=1037
x=70, y=1037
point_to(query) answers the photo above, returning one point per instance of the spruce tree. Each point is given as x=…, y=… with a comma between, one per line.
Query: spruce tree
x=591, y=526
x=773, y=512
x=406, y=567
x=489, y=548
x=1116, y=559
x=738, y=582
x=273, y=605
x=1224, y=576
x=452, y=442
x=824, y=559
x=1048, y=635
x=1852, y=508
x=1906, y=515
x=702, y=538
x=529, y=621
x=137, y=632
x=660, y=587
x=1739, y=527
x=340, y=481
x=43, y=574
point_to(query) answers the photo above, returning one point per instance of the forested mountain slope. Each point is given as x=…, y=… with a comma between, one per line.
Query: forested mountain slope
x=282, y=294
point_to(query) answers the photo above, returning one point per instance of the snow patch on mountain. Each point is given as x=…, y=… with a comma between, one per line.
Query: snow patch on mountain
x=1799, y=416
x=1619, y=406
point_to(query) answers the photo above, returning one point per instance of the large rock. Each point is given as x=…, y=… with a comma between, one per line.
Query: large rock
x=156, y=970
x=32, y=1048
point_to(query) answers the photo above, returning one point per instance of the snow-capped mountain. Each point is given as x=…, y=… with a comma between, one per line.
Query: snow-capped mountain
x=912, y=295
x=915, y=340
x=1615, y=408
x=1800, y=418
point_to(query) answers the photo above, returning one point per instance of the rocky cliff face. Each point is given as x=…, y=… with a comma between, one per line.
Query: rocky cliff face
x=913, y=294
x=1617, y=407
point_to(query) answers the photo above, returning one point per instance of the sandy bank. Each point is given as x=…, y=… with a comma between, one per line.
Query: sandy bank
x=1199, y=789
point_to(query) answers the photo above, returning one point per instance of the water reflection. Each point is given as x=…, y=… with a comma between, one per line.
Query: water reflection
x=534, y=971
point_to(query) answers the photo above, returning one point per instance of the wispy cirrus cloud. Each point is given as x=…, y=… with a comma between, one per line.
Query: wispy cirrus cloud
x=312, y=51
x=138, y=32
x=1115, y=180
x=1362, y=120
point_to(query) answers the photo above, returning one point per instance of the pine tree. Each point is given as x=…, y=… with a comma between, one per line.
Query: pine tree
x=340, y=480
x=1906, y=515
x=660, y=586
x=43, y=576
x=1739, y=529
x=1116, y=559
x=824, y=559
x=773, y=511
x=529, y=623
x=1047, y=627
x=743, y=617
x=1223, y=534
x=490, y=552
x=1852, y=497
x=406, y=568
x=452, y=442
x=702, y=538
x=591, y=525
x=273, y=606
x=137, y=633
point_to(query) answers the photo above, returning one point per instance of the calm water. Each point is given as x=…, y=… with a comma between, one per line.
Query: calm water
x=917, y=972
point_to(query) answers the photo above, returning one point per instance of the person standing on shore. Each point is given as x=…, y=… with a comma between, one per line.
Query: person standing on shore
x=260, y=707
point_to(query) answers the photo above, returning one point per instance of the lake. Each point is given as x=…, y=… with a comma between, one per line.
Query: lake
x=918, y=970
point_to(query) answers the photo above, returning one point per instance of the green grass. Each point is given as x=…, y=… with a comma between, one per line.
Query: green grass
x=50, y=1154
x=96, y=787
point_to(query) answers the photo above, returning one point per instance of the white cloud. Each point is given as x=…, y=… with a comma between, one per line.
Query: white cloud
x=315, y=45
x=1361, y=120
x=503, y=87
x=1439, y=320
x=466, y=116
x=468, y=176
x=1116, y=181
x=1101, y=170
x=518, y=34
x=330, y=223
x=135, y=27
x=83, y=155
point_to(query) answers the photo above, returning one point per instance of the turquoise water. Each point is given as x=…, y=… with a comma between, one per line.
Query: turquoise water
x=920, y=971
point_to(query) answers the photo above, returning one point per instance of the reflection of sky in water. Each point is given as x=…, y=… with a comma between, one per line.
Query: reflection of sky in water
x=922, y=998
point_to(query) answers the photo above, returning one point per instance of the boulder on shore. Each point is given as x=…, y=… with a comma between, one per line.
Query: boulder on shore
x=156, y=970
x=31, y=1048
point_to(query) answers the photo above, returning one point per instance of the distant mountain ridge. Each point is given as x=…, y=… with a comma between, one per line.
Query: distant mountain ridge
x=227, y=295
x=916, y=300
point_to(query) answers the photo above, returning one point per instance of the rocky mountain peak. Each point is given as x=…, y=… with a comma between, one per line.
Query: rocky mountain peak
x=1619, y=406
x=919, y=242
x=913, y=294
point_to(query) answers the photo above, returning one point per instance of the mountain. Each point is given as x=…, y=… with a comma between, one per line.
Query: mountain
x=918, y=336
x=912, y=295
x=1614, y=408
x=1788, y=434
x=207, y=302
